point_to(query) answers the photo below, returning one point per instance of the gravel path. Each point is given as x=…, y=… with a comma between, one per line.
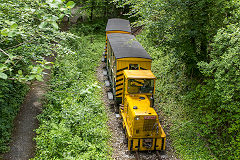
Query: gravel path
x=120, y=151
x=22, y=146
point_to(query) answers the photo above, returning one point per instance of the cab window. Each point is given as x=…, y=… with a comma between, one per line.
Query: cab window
x=140, y=86
x=133, y=66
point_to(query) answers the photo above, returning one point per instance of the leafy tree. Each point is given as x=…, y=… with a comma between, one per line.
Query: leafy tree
x=218, y=100
x=27, y=32
x=187, y=26
x=96, y=9
x=203, y=34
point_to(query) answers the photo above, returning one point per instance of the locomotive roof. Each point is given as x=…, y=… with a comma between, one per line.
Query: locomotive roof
x=117, y=24
x=126, y=46
x=139, y=74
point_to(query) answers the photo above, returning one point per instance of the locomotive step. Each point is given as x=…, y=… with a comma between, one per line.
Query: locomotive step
x=103, y=59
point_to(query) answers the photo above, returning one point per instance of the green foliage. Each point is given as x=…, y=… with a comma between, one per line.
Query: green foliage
x=73, y=124
x=89, y=28
x=27, y=31
x=97, y=9
x=171, y=86
x=199, y=70
x=186, y=26
x=218, y=99
x=11, y=96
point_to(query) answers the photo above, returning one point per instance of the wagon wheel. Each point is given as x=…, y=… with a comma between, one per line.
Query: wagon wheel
x=116, y=107
x=125, y=140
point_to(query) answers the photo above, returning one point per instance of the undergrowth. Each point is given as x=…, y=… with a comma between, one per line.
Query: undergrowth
x=12, y=95
x=73, y=124
x=178, y=119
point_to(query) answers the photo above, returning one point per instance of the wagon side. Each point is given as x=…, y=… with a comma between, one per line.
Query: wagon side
x=116, y=25
x=124, y=53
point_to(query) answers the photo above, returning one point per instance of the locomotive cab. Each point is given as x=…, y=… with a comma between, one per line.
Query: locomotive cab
x=140, y=120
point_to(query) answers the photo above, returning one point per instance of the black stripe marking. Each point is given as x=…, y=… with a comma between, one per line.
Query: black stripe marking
x=138, y=144
x=119, y=94
x=119, y=84
x=119, y=89
x=155, y=144
x=131, y=146
x=119, y=80
x=162, y=143
x=122, y=69
x=143, y=68
x=138, y=82
x=120, y=75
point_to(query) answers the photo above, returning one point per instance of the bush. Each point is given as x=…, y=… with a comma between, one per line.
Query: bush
x=12, y=95
x=217, y=100
x=176, y=115
x=73, y=124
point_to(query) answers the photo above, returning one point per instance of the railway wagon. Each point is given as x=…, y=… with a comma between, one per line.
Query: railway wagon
x=116, y=25
x=124, y=52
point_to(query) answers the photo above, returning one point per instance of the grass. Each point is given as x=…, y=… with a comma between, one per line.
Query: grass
x=73, y=124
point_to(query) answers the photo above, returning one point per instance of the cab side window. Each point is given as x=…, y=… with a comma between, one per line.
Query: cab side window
x=133, y=67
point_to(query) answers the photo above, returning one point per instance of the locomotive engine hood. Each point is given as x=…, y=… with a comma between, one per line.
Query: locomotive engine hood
x=139, y=104
x=144, y=118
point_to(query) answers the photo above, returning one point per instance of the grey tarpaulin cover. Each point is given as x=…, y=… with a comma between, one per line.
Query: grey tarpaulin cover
x=126, y=46
x=117, y=24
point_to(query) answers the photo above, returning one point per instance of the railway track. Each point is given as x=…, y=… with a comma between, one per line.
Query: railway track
x=159, y=157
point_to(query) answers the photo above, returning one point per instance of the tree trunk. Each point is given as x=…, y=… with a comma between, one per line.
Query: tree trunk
x=92, y=9
x=106, y=8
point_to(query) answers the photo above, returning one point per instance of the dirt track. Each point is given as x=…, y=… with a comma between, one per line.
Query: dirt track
x=22, y=146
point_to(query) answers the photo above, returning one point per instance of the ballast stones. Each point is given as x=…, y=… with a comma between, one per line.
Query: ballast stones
x=110, y=95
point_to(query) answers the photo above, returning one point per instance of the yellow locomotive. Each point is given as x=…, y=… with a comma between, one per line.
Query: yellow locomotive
x=140, y=120
x=133, y=84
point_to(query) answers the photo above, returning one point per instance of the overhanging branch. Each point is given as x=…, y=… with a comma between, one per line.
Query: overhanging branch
x=4, y=52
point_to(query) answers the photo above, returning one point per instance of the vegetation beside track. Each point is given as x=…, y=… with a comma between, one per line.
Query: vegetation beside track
x=176, y=117
x=197, y=61
x=73, y=124
x=27, y=32
x=12, y=95
x=203, y=119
